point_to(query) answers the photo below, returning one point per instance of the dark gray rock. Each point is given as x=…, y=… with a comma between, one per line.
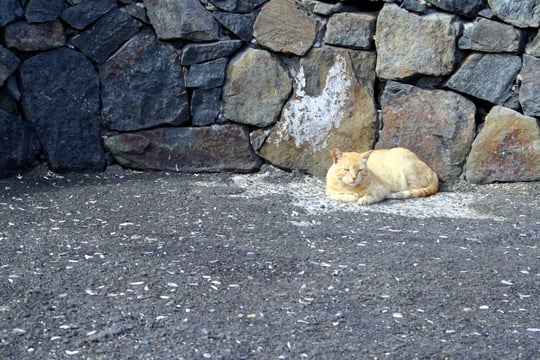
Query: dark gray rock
x=521, y=13
x=43, y=10
x=142, y=86
x=24, y=36
x=240, y=25
x=8, y=64
x=529, y=92
x=351, y=30
x=103, y=38
x=415, y=6
x=181, y=19
x=205, y=106
x=239, y=6
x=81, y=15
x=207, y=75
x=19, y=146
x=198, y=53
x=487, y=76
x=204, y=149
x=469, y=8
x=9, y=11
x=490, y=36
x=60, y=96
x=137, y=11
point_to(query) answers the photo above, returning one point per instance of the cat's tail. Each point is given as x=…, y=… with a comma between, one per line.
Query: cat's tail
x=430, y=189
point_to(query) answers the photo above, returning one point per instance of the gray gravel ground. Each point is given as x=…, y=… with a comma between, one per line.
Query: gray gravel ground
x=262, y=266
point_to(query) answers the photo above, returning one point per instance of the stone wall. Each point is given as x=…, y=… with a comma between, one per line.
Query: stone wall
x=227, y=85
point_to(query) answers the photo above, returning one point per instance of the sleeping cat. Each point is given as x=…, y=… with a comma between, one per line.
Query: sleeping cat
x=376, y=175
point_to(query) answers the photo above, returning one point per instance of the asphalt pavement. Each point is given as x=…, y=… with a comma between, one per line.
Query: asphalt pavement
x=129, y=265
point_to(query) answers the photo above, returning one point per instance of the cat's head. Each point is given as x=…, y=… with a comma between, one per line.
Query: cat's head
x=351, y=167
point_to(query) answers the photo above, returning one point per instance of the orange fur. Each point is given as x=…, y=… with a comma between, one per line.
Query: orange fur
x=376, y=175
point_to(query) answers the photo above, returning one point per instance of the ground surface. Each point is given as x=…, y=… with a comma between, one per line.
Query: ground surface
x=172, y=266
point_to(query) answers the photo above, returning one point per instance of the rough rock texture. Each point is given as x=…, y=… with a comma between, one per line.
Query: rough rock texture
x=521, y=13
x=81, y=15
x=437, y=125
x=38, y=11
x=205, y=106
x=282, y=27
x=216, y=148
x=60, y=96
x=103, y=38
x=34, y=37
x=9, y=11
x=145, y=73
x=410, y=44
x=255, y=89
x=318, y=117
x=490, y=36
x=320, y=7
x=507, y=149
x=467, y=8
x=207, y=75
x=241, y=6
x=529, y=92
x=487, y=76
x=533, y=48
x=181, y=19
x=198, y=53
x=8, y=64
x=19, y=146
x=240, y=25
x=351, y=30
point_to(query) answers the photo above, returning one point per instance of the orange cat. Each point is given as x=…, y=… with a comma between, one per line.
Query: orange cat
x=376, y=175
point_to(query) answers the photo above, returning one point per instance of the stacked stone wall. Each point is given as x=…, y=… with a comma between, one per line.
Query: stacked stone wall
x=228, y=85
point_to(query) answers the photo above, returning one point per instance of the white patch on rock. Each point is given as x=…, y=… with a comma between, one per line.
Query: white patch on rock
x=307, y=118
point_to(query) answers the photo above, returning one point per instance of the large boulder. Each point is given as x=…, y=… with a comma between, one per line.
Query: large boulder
x=437, y=125
x=9, y=11
x=256, y=87
x=83, y=14
x=60, y=96
x=506, y=149
x=240, y=25
x=351, y=30
x=529, y=92
x=181, y=19
x=24, y=36
x=8, y=64
x=204, y=149
x=106, y=35
x=19, y=147
x=283, y=27
x=239, y=6
x=488, y=77
x=332, y=106
x=39, y=11
x=467, y=8
x=409, y=44
x=142, y=86
x=490, y=36
x=521, y=13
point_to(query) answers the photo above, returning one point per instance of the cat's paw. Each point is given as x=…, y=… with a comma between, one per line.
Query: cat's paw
x=366, y=200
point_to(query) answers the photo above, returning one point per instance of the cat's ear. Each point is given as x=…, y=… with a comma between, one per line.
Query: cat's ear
x=366, y=156
x=336, y=155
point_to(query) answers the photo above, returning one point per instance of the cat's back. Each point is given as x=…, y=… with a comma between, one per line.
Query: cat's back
x=398, y=162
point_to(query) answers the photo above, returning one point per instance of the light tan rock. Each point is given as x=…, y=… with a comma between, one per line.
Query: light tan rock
x=437, y=125
x=282, y=27
x=255, y=89
x=332, y=106
x=506, y=149
x=409, y=44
